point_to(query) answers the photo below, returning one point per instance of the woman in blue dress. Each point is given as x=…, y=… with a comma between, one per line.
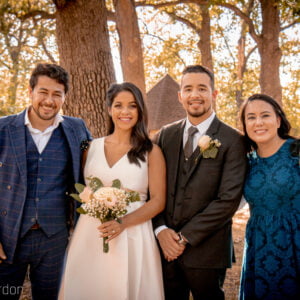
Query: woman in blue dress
x=271, y=263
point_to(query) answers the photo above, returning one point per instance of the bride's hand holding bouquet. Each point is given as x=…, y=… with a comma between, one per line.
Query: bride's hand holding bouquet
x=108, y=204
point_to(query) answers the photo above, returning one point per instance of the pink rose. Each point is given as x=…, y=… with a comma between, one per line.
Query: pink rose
x=204, y=142
x=111, y=201
x=85, y=195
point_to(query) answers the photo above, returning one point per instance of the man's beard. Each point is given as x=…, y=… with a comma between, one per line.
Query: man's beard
x=43, y=118
x=199, y=114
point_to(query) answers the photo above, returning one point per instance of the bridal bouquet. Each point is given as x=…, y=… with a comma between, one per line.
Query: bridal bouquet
x=103, y=203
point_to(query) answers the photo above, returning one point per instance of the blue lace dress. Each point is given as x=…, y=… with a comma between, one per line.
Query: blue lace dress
x=271, y=264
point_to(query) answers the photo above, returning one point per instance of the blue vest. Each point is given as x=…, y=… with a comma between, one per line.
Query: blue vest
x=48, y=175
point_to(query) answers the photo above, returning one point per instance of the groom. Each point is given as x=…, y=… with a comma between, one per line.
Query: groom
x=204, y=188
x=39, y=163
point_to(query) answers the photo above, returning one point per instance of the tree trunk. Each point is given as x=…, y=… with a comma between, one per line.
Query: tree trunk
x=131, y=51
x=83, y=45
x=242, y=61
x=204, y=43
x=270, y=52
x=204, y=35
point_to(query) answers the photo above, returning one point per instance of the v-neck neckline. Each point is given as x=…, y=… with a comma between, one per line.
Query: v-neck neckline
x=117, y=161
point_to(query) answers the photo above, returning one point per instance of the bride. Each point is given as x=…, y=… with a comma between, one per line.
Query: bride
x=131, y=270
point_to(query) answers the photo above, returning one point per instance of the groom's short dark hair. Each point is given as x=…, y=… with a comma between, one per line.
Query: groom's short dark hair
x=200, y=69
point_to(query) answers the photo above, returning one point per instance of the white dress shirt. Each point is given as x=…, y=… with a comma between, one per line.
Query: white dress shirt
x=202, y=128
x=41, y=138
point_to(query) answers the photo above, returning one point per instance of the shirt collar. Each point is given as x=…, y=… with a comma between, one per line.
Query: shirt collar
x=203, y=126
x=57, y=120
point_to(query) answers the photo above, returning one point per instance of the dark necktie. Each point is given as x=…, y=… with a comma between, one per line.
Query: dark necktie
x=188, y=147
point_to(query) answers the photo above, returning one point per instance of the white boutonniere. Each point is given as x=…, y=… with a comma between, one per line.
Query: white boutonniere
x=208, y=147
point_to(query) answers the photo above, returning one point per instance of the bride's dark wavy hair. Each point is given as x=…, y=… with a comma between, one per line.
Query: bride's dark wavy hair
x=141, y=143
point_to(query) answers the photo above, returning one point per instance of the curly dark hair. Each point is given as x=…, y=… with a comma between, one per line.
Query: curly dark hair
x=141, y=143
x=285, y=126
x=50, y=70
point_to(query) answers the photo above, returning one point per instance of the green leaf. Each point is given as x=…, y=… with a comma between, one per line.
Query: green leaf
x=116, y=184
x=134, y=196
x=79, y=187
x=81, y=210
x=213, y=152
x=95, y=183
x=205, y=154
x=76, y=197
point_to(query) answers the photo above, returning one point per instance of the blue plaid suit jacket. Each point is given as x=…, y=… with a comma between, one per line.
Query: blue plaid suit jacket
x=13, y=172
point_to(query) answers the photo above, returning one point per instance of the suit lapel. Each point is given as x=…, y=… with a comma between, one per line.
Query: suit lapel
x=176, y=137
x=74, y=147
x=18, y=141
x=196, y=157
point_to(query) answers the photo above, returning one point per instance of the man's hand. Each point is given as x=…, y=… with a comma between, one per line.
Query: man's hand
x=2, y=254
x=168, y=240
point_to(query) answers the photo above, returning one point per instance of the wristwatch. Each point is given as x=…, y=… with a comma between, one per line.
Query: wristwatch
x=181, y=240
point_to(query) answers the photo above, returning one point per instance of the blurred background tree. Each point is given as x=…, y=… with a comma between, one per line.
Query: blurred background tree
x=252, y=46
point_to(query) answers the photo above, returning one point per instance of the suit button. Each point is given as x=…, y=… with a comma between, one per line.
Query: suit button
x=1, y=164
x=9, y=187
x=39, y=180
x=32, y=220
x=4, y=213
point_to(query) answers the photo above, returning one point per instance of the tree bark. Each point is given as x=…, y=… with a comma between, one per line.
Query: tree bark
x=131, y=51
x=242, y=58
x=204, y=43
x=84, y=50
x=269, y=49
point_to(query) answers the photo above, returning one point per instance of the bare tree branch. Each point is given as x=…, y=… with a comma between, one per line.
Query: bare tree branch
x=111, y=16
x=183, y=20
x=289, y=25
x=42, y=14
x=249, y=54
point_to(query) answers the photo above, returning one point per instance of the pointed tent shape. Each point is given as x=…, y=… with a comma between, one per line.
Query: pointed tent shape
x=163, y=105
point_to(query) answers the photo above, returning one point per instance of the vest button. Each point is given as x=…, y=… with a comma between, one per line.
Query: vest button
x=32, y=220
x=40, y=159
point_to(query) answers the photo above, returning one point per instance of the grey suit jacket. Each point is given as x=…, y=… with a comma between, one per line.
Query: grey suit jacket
x=212, y=193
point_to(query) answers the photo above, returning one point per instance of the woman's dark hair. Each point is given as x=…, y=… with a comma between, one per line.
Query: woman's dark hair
x=140, y=140
x=285, y=126
x=53, y=71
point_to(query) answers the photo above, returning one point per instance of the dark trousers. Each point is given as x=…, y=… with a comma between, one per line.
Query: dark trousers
x=44, y=256
x=204, y=284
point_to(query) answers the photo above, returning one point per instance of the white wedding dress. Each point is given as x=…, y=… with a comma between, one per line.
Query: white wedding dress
x=131, y=270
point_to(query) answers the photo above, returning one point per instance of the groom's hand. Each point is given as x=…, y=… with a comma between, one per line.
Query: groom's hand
x=2, y=254
x=168, y=240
